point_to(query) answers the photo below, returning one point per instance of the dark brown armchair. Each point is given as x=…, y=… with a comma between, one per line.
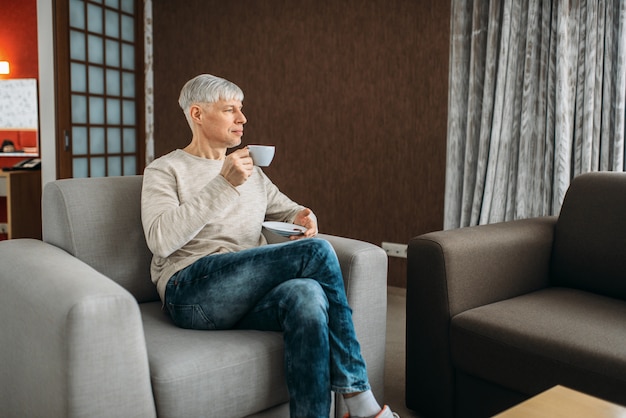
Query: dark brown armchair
x=498, y=313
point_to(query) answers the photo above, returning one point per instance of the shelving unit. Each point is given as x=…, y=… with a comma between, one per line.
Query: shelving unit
x=23, y=203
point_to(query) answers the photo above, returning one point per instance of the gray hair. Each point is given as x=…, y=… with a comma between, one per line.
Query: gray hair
x=207, y=88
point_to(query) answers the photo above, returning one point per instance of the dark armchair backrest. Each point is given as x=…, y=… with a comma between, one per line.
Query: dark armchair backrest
x=589, y=249
x=98, y=220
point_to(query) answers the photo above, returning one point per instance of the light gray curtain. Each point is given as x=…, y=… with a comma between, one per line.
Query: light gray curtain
x=537, y=95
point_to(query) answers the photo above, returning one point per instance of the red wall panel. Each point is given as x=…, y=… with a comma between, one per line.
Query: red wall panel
x=18, y=37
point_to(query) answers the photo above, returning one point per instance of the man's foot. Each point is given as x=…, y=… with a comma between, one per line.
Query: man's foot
x=384, y=413
x=387, y=413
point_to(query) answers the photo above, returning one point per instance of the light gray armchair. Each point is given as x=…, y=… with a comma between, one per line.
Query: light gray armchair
x=83, y=333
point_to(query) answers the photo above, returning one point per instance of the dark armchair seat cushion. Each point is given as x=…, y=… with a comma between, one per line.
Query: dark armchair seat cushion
x=552, y=336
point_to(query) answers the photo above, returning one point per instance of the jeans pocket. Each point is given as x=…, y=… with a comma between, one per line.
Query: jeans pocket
x=189, y=316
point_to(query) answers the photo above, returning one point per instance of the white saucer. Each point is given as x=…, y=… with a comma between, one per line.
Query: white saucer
x=283, y=228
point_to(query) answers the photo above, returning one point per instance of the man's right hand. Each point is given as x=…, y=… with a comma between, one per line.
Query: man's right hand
x=237, y=167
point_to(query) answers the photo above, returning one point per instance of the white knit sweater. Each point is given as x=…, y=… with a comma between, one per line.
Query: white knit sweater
x=189, y=211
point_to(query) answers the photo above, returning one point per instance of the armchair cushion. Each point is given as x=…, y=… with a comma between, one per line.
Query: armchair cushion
x=98, y=220
x=538, y=340
x=233, y=373
x=590, y=236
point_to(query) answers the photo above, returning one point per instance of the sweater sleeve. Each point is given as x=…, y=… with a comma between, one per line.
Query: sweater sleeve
x=169, y=224
x=279, y=207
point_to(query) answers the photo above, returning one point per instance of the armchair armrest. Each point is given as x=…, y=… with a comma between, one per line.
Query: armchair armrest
x=482, y=264
x=449, y=272
x=71, y=340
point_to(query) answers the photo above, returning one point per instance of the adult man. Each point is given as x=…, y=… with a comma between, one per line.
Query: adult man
x=202, y=212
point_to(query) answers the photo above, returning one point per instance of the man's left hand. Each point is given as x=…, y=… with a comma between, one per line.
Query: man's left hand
x=306, y=219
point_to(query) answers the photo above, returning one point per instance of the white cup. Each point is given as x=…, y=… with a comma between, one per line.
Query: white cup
x=262, y=155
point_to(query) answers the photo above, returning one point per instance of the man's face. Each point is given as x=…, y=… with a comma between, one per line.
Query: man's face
x=221, y=123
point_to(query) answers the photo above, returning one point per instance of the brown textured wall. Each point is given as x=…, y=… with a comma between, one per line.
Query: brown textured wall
x=353, y=94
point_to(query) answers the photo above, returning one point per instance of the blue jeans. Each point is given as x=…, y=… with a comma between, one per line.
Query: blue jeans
x=294, y=287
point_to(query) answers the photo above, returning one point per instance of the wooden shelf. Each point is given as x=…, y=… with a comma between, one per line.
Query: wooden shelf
x=23, y=193
x=20, y=154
